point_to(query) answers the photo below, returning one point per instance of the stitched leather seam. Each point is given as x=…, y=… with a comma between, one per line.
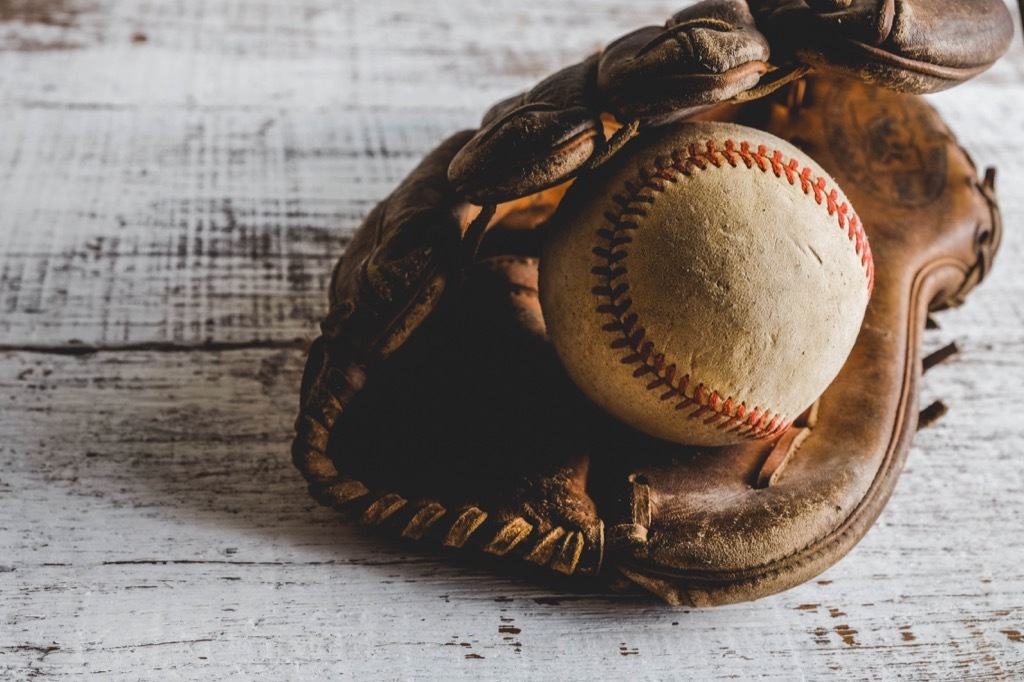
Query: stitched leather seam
x=952, y=73
x=702, y=402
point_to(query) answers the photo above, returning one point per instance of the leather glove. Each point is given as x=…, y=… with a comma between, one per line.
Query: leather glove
x=434, y=407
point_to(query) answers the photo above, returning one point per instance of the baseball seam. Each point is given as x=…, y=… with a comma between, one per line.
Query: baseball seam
x=725, y=413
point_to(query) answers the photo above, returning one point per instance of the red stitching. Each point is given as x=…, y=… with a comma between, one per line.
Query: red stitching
x=725, y=412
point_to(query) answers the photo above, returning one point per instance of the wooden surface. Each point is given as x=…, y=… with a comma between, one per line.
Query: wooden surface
x=176, y=179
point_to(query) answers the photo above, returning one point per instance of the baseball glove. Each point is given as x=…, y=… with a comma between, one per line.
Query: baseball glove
x=433, y=405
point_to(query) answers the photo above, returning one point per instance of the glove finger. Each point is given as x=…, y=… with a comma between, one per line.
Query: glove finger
x=533, y=141
x=910, y=46
x=387, y=282
x=399, y=262
x=704, y=55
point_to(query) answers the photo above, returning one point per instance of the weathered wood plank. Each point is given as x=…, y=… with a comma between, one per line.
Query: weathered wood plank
x=149, y=517
x=184, y=172
x=172, y=208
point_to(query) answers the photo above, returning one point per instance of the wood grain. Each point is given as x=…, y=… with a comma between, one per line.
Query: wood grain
x=176, y=180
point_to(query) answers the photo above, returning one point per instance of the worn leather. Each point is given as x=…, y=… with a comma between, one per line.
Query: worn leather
x=715, y=52
x=471, y=434
x=704, y=55
x=911, y=46
x=432, y=404
x=560, y=119
x=386, y=283
x=399, y=263
x=402, y=400
x=476, y=425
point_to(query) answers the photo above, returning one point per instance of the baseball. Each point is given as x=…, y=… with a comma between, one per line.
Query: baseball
x=707, y=284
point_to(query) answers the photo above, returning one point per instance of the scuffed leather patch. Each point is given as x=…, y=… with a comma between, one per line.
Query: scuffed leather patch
x=888, y=145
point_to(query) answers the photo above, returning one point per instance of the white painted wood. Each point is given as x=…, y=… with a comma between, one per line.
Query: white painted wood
x=178, y=172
